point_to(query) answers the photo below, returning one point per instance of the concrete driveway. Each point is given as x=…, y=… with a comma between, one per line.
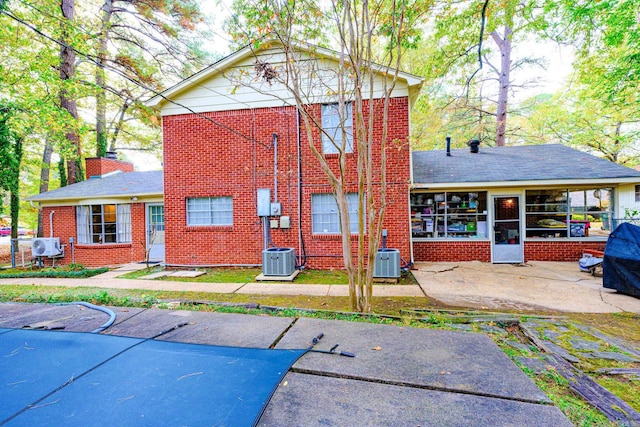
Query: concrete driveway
x=558, y=286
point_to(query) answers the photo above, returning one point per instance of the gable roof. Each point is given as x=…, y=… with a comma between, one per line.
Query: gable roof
x=148, y=183
x=535, y=164
x=414, y=83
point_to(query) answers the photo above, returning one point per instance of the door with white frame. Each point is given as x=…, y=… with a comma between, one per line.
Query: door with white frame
x=507, y=242
x=155, y=231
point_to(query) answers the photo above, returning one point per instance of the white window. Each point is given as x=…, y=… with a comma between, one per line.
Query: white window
x=103, y=223
x=324, y=213
x=210, y=211
x=333, y=123
x=637, y=193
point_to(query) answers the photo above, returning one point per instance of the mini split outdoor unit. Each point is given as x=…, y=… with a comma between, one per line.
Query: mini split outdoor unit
x=278, y=261
x=387, y=263
x=46, y=246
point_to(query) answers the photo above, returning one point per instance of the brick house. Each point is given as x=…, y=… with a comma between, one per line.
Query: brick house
x=226, y=136
x=230, y=138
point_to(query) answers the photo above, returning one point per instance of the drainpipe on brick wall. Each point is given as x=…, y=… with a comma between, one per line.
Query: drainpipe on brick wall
x=301, y=249
x=275, y=167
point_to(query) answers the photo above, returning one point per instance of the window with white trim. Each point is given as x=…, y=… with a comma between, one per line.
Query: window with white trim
x=334, y=123
x=324, y=213
x=210, y=211
x=109, y=223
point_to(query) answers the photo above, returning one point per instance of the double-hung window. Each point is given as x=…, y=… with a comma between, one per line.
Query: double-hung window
x=108, y=223
x=210, y=211
x=324, y=213
x=337, y=124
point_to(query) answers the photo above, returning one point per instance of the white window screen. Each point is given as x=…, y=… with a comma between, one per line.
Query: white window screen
x=333, y=124
x=123, y=223
x=83, y=224
x=210, y=211
x=324, y=213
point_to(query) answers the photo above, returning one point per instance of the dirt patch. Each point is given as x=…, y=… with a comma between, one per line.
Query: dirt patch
x=5, y=254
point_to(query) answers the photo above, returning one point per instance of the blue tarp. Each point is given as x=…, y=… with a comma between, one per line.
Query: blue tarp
x=621, y=266
x=79, y=379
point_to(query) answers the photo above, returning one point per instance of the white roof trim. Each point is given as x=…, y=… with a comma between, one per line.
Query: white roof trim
x=530, y=183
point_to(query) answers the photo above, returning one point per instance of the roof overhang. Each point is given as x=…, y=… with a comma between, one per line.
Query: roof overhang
x=101, y=199
x=528, y=184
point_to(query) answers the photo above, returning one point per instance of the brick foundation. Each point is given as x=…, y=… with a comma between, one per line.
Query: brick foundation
x=459, y=251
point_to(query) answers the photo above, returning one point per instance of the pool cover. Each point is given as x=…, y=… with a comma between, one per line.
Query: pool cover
x=71, y=378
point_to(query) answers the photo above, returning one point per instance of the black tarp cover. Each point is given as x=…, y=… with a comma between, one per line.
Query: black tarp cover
x=621, y=267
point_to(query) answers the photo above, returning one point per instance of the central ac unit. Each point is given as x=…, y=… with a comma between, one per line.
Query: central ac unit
x=278, y=261
x=46, y=246
x=387, y=263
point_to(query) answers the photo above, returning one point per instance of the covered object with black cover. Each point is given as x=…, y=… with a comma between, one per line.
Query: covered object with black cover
x=621, y=267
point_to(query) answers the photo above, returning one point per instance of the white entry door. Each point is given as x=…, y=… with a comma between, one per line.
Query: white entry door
x=155, y=232
x=507, y=243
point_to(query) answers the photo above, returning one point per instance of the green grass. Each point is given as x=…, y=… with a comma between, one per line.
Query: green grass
x=245, y=275
x=67, y=271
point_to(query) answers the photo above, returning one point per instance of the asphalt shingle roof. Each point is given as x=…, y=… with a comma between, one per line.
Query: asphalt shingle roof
x=514, y=163
x=118, y=184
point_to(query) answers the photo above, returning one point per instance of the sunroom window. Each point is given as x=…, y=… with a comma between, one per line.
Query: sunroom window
x=450, y=215
x=568, y=213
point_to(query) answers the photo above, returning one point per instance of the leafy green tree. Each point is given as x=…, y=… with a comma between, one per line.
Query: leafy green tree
x=467, y=58
x=140, y=40
x=11, y=151
x=364, y=33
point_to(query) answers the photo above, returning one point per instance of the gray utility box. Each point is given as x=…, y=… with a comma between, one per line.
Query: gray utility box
x=278, y=261
x=387, y=263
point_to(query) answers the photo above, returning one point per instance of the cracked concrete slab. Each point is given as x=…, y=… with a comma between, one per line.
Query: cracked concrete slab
x=204, y=328
x=535, y=285
x=312, y=400
x=447, y=360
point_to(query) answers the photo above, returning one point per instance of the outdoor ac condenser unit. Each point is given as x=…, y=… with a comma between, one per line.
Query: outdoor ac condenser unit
x=46, y=246
x=387, y=263
x=278, y=261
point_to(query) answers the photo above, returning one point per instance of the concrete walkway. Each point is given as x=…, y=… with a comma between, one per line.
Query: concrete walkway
x=534, y=286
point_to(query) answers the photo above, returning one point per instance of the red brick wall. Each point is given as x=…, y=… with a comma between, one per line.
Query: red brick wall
x=550, y=250
x=457, y=251
x=452, y=251
x=64, y=226
x=234, y=158
x=97, y=166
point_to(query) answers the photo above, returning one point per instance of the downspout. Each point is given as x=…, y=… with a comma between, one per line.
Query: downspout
x=301, y=248
x=275, y=167
x=51, y=223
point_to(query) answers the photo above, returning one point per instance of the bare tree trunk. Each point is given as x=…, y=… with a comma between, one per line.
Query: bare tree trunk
x=67, y=70
x=45, y=172
x=101, y=96
x=503, y=81
x=504, y=44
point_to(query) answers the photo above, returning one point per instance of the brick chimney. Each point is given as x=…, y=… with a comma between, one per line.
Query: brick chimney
x=98, y=166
